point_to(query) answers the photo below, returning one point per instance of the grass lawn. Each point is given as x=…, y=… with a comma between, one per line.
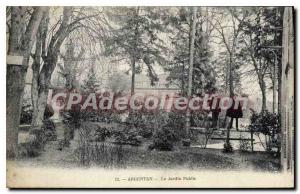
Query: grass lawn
x=110, y=155
x=127, y=156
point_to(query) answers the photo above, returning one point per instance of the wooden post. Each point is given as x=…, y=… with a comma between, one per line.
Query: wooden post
x=252, y=146
x=228, y=136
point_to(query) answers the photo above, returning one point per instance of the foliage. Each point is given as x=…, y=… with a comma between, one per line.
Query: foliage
x=259, y=36
x=28, y=149
x=84, y=146
x=202, y=137
x=228, y=148
x=49, y=129
x=268, y=124
x=90, y=83
x=72, y=121
x=156, y=126
x=128, y=136
x=102, y=133
x=265, y=122
x=135, y=38
x=147, y=122
x=245, y=145
x=176, y=122
x=109, y=156
x=26, y=114
x=163, y=140
x=119, y=82
x=204, y=73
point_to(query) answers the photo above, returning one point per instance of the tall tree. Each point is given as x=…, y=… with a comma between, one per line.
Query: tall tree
x=260, y=38
x=136, y=39
x=70, y=67
x=72, y=20
x=191, y=65
x=20, y=42
x=178, y=65
x=228, y=29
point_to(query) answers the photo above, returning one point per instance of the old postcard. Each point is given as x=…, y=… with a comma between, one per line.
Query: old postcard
x=150, y=97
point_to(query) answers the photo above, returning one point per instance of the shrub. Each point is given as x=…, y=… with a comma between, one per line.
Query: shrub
x=268, y=124
x=163, y=140
x=186, y=142
x=245, y=145
x=128, y=136
x=72, y=120
x=35, y=145
x=202, y=137
x=83, y=150
x=102, y=133
x=228, y=148
x=49, y=130
x=28, y=149
x=109, y=156
x=147, y=122
x=108, y=117
x=176, y=122
x=265, y=122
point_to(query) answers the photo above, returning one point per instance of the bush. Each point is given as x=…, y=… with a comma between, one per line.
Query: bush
x=202, y=137
x=228, y=148
x=35, y=145
x=268, y=124
x=83, y=150
x=72, y=120
x=163, y=140
x=265, y=122
x=147, y=122
x=176, y=122
x=245, y=145
x=49, y=130
x=128, y=136
x=108, y=117
x=101, y=134
x=186, y=142
x=28, y=149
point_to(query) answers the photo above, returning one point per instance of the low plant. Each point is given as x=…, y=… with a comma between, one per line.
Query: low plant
x=268, y=124
x=228, y=148
x=163, y=140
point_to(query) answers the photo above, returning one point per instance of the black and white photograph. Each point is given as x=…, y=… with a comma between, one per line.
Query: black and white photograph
x=150, y=96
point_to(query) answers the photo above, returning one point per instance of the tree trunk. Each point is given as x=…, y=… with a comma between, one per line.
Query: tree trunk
x=15, y=77
x=34, y=91
x=41, y=106
x=44, y=82
x=263, y=93
x=274, y=84
x=191, y=63
x=40, y=43
x=50, y=60
x=16, y=72
x=35, y=76
x=231, y=90
x=134, y=57
x=132, y=75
